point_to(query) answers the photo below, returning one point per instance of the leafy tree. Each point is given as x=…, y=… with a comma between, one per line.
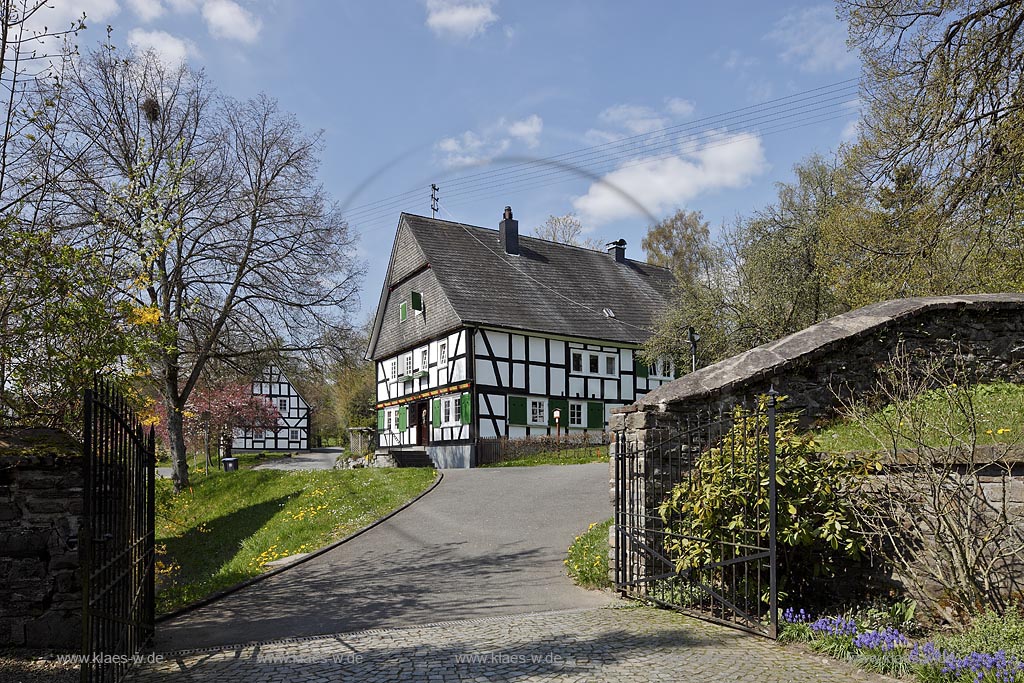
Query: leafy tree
x=58, y=325
x=943, y=102
x=756, y=281
x=679, y=242
x=205, y=209
x=213, y=412
x=566, y=229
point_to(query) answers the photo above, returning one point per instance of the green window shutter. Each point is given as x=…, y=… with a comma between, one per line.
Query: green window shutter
x=417, y=301
x=517, y=410
x=380, y=420
x=466, y=408
x=403, y=418
x=435, y=410
x=595, y=415
x=639, y=367
x=562, y=405
x=403, y=312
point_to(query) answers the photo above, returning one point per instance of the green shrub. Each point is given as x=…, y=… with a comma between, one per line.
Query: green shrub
x=989, y=632
x=816, y=524
x=587, y=561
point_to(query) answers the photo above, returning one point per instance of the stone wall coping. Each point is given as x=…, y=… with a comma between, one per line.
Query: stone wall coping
x=772, y=358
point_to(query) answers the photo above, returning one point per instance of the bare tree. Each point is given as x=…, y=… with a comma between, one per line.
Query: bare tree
x=939, y=512
x=207, y=209
x=566, y=229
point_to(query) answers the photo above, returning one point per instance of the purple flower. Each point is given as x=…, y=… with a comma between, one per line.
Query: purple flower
x=835, y=626
x=884, y=640
x=792, y=616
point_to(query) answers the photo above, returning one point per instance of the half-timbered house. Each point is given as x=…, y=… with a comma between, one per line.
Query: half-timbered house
x=292, y=433
x=482, y=334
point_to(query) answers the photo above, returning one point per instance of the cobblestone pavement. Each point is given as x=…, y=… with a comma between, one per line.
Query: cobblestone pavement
x=634, y=644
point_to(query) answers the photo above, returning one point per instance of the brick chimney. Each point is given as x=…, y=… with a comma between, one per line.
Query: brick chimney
x=617, y=250
x=508, y=232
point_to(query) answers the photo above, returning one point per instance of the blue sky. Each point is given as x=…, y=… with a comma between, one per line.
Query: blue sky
x=409, y=92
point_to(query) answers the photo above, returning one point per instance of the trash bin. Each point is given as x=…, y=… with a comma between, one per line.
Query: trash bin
x=230, y=464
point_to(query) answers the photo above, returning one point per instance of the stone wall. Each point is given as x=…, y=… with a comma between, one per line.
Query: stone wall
x=827, y=365
x=40, y=513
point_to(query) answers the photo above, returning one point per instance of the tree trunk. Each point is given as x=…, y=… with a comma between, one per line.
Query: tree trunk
x=176, y=437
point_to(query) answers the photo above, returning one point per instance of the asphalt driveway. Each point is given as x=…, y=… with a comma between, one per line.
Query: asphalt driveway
x=485, y=542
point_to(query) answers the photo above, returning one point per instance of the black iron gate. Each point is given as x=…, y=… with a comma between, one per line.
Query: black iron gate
x=117, y=536
x=728, y=573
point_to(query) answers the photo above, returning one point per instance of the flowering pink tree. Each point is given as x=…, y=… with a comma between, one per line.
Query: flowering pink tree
x=212, y=413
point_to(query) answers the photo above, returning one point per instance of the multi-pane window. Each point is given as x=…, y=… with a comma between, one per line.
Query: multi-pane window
x=424, y=359
x=609, y=365
x=387, y=420
x=394, y=369
x=577, y=361
x=442, y=353
x=293, y=434
x=257, y=433
x=538, y=411
x=446, y=411
x=282, y=404
x=575, y=414
x=595, y=363
x=408, y=364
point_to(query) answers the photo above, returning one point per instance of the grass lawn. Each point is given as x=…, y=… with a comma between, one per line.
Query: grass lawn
x=930, y=419
x=246, y=460
x=230, y=524
x=587, y=560
x=576, y=456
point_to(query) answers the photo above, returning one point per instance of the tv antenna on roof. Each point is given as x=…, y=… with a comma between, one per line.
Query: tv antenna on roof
x=434, y=189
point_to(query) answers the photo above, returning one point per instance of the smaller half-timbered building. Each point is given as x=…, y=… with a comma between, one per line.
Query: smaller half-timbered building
x=484, y=334
x=292, y=433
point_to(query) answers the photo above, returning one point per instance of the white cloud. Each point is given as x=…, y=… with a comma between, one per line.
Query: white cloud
x=677, y=106
x=462, y=19
x=528, y=130
x=850, y=131
x=227, y=19
x=470, y=149
x=171, y=49
x=635, y=119
x=183, y=5
x=473, y=148
x=813, y=39
x=147, y=10
x=660, y=184
x=58, y=16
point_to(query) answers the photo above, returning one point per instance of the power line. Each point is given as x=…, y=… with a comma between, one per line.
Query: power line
x=811, y=107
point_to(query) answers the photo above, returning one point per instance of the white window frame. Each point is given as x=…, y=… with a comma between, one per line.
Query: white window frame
x=662, y=369
x=591, y=358
x=581, y=410
x=394, y=369
x=442, y=353
x=534, y=403
x=576, y=356
x=293, y=435
x=611, y=365
x=282, y=405
x=408, y=364
x=424, y=359
x=451, y=411
x=387, y=420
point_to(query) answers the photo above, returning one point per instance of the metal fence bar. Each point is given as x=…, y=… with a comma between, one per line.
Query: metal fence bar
x=118, y=535
x=737, y=582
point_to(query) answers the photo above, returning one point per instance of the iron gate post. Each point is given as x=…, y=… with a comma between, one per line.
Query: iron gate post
x=773, y=593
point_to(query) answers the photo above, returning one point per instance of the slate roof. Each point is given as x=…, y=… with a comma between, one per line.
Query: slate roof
x=548, y=288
